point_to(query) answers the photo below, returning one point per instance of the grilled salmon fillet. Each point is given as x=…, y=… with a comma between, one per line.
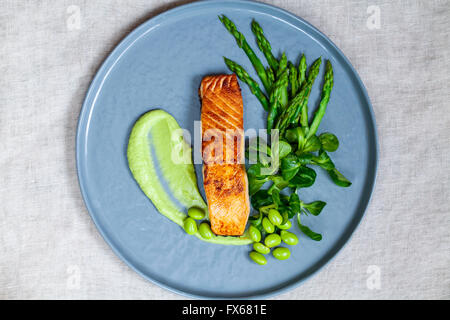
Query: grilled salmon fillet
x=224, y=177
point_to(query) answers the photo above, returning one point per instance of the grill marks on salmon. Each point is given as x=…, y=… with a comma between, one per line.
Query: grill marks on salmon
x=224, y=177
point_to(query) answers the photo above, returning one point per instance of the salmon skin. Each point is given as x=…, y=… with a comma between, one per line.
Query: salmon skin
x=224, y=177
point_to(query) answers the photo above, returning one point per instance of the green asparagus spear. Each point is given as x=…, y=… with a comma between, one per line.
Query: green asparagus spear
x=242, y=43
x=301, y=80
x=283, y=119
x=282, y=67
x=295, y=106
x=302, y=71
x=293, y=79
x=252, y=84
x=275, y=98
x=274, y=107
x=303, y=108
x=326, y=91
x=270, y=76
x=264, y=45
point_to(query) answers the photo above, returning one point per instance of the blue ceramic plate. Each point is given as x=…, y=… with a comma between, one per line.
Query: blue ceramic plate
x=160, y=65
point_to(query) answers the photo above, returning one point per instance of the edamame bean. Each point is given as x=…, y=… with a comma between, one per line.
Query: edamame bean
x=196, y=213
x=190, y=226
x=259, y=247
x=267, y=225
x=205, y=231
x=258, y=258
x=254, y=233
x=286, y=226
x=275, y=217
x=281, y=253
x=289, y=238
x=272, y=240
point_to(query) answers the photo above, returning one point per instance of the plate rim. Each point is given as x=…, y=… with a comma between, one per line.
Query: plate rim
x=114, y=56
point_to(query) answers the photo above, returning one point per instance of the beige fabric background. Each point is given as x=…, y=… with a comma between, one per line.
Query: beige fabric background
x=49, y=247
